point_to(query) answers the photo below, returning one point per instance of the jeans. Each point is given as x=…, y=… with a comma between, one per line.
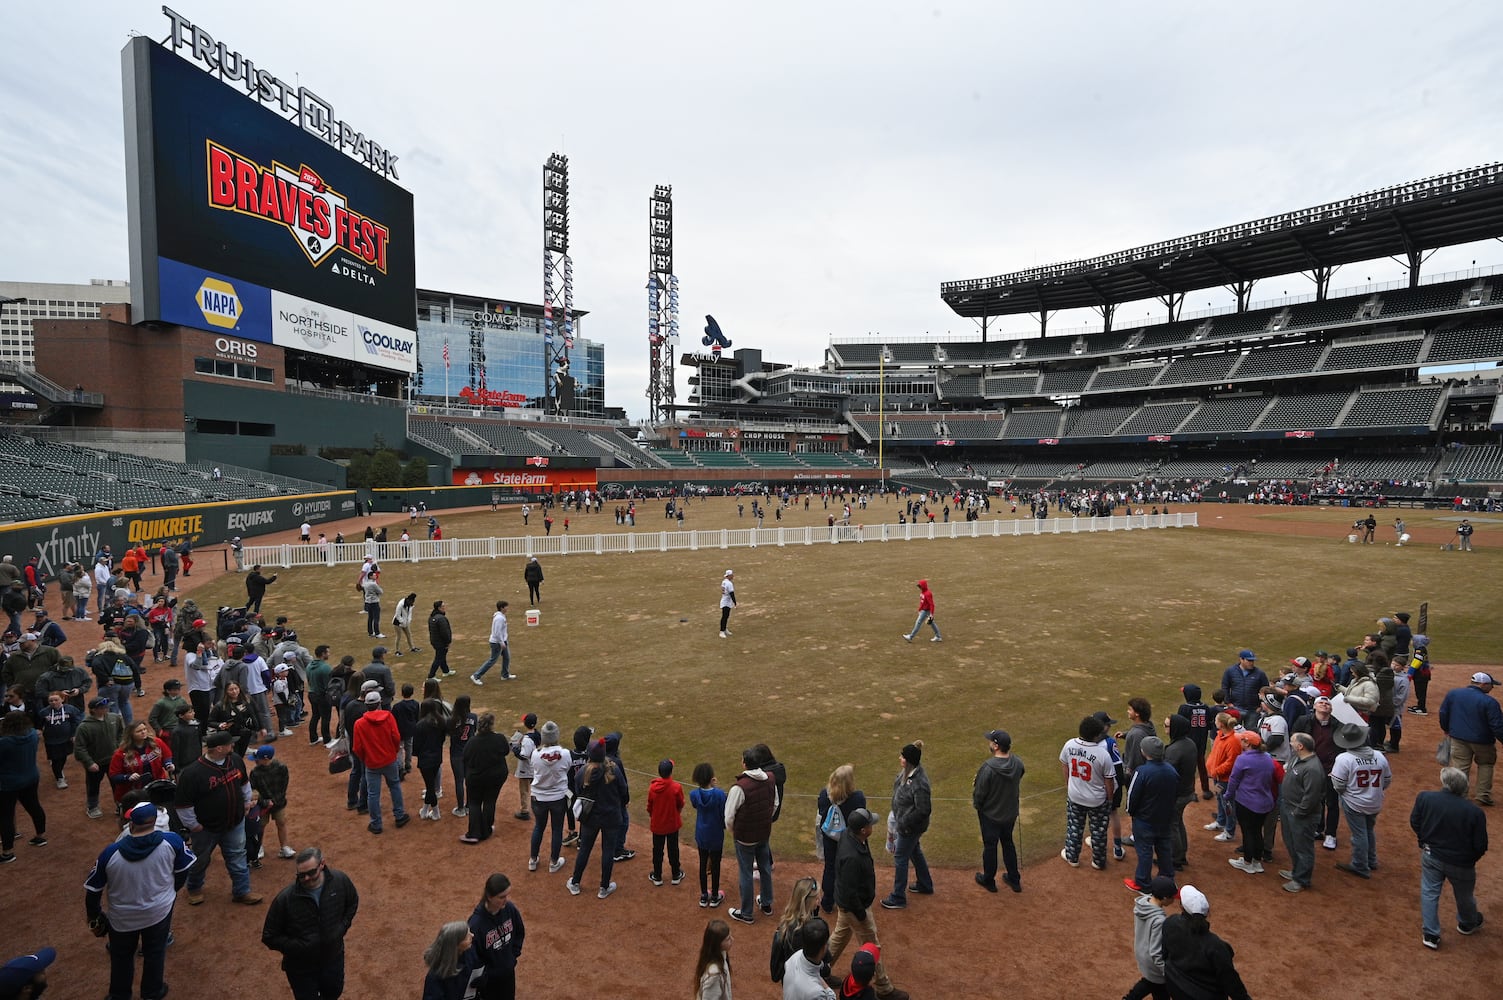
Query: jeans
x=231, y=844
x=865, y=932
x=499, y=651
x=588, y=832
x=153, y=944
x=1226, y=813
x=322, y=982
x=1364, y=838
x=924, y=616
x=1433, y=874
x=373, y=775
x=354, y=786
x=440, y=662
x=1148, y=840
x=541, y=813
x=761, y=854
x=372, y=619
x=1299, y=840
x=119, y=696
x=909, y=849
x=993, y=833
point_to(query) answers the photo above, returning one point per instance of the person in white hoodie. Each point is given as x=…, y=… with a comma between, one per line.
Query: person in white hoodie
x=1148, y=915
x=500, y=647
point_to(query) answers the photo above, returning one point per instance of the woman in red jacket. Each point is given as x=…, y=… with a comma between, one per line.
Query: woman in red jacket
x=141, y=759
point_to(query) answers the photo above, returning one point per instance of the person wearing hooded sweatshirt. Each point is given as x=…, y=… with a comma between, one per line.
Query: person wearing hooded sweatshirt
x=1202, y=728
x=1197, y=963
x=1151, y=804
x=1148, y=915
x=749, y=805
x=551, y=765
x=141, y=873
x=995, y=797
x=600, y=782
x=925, y=614
x=1181, y=755
x=378, y=744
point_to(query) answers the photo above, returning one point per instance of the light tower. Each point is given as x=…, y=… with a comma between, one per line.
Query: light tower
x=662, y=305
x=558, y=286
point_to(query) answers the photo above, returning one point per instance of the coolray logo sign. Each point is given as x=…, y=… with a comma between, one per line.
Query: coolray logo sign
x=309, y=508
x=394, y=349
x=58, y=551
x=316, y=215
x=218, y=302
x=250, y=519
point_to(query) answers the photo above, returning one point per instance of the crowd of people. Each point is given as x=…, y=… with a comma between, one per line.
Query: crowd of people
x=1297, y=755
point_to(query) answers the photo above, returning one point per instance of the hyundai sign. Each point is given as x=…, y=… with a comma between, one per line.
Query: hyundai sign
x=242, y=222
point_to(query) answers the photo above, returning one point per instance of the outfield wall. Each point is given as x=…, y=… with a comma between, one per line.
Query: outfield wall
x=561, y=544
x=58, y=541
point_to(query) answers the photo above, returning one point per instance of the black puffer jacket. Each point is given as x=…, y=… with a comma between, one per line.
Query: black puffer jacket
x=440, y=632
x=309, y=934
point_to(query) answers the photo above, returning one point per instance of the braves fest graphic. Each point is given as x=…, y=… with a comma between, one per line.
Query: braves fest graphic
x=319, y=218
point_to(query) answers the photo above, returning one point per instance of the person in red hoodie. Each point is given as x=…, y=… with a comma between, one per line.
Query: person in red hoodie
x=665, y=817
x=925, y=614
x=378, y=745
x=858, y=985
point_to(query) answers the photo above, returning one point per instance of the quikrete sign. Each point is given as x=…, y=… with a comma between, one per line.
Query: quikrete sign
x=160, y=529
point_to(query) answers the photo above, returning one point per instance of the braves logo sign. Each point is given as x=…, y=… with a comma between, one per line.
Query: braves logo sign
x=316, y=215
x=539, y=461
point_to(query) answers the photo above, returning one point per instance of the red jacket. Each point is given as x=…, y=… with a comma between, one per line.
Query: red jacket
x=926, y=597
x=376, y=741
x=665, y=806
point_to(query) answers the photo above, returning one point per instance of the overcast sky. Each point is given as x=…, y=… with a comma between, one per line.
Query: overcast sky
x=831, y=162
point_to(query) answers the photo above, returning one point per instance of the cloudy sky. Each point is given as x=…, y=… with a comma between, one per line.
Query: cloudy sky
x=831, y=162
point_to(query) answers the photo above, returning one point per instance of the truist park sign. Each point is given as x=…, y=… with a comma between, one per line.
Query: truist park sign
x=297, y=104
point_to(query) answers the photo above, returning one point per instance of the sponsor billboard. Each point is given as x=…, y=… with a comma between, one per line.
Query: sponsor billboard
x=529, y=479
x=59, y=541
x=243, y=222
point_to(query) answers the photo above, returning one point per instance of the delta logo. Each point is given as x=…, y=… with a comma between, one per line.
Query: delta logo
x=219, y=303
x=316, y=215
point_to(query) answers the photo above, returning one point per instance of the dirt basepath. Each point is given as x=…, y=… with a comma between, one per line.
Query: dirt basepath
x=1069, y=934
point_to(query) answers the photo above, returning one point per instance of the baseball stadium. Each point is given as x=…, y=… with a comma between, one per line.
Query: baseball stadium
x=1099, y=516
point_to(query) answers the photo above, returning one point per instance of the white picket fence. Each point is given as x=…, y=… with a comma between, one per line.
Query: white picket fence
x=562, y=544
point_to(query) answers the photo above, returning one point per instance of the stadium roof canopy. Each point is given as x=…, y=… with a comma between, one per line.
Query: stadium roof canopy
x=1404, y=220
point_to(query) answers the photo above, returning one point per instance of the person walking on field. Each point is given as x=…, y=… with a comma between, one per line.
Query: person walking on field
x=440, y=637
x=533, y=574
x=727, y=602
x=925, y=614
x=500, y=647
x=855, y=895
x=1452, y=836
x=307, y=923
x=142, y=873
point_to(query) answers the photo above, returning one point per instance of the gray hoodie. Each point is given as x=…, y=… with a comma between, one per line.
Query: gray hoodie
x=995, y=792
x=1148, y=938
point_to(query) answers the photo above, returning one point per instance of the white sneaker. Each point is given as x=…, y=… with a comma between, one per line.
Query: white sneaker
x=555, y=866
x=509, y=677
x=1329, y=843
x=286, y=852
x=532, y=864
x=1223, y=836
x=725, y=635
x=606, y=891
x=62, y=782
x=379, y=635
x=936, y=639
x=477, y=681
x=1242, y=864
x=907, y=637
x=1213, y=825
x=573, y=887
x=460, y=812
x=285, y=732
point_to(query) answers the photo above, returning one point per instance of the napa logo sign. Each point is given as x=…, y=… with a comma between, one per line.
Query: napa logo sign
x=219, y=303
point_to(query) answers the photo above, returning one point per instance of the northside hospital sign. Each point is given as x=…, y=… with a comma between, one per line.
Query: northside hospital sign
x=298, y=104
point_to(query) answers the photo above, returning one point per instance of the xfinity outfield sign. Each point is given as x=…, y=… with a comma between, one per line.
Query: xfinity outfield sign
x=297, y=104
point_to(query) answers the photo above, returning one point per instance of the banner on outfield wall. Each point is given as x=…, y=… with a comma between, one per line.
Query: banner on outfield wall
x=532, y=478
x=59, y=541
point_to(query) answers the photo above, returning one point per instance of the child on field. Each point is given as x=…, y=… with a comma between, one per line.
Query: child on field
x=1148, y=938
x=665, y=817
x=1419, y=673
x=1223, y=755
x=187, y=737
x=281, y=698
x=406, y=713
x=708, y=801
x=268, y=782
x=59, y=722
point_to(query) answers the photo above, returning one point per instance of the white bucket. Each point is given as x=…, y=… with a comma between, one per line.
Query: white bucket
x=533, y=615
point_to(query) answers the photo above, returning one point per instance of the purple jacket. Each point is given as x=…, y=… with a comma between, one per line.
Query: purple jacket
x=1251, y=785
